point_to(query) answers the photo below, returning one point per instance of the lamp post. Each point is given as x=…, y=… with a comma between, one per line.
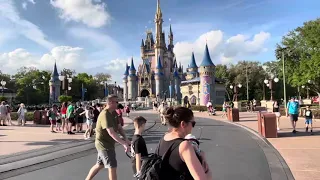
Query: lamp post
x=3, y=83
x=269, y=83
x=235, y=94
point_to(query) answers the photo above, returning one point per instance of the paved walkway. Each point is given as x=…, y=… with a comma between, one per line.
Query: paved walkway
x=300, y=150
x=14, y=139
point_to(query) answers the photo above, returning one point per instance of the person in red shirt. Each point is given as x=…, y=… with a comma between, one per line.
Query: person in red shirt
x=64, y=116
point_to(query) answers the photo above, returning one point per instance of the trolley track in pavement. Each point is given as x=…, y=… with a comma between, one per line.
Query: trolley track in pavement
x=13, y=166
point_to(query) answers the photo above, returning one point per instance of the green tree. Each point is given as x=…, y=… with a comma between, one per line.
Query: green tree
x=301, y=51
x=64, y=98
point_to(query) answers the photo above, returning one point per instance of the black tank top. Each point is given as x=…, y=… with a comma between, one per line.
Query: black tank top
x=176, y=169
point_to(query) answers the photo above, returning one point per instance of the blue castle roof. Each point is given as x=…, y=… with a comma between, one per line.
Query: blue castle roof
x=132, y=68
x=159, y=66
x=126, y=73
x=206, y=58
x=193, y=63
x=55, y=74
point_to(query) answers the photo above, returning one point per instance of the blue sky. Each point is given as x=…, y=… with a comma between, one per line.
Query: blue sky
x=101, y=35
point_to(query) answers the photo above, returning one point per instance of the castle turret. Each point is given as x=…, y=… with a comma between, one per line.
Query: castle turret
x=207, y=79
x=159, y=44
x=132, y=82
x=170, y=38
x=125, y=83
x=142, y=48
x=55, y=85
x=192, y=70
x=159, y=78
x=177, y=84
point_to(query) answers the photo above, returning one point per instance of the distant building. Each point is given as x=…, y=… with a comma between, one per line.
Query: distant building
x=54, y=85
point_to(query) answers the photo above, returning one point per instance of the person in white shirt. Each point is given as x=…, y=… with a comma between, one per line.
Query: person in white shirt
x=3, y=113
x=21, y=112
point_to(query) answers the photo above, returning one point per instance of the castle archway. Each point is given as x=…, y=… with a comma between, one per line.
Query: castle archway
x=193, y=100
x=145, y=93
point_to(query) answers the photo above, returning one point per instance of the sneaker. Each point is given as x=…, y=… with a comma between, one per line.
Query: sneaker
x=294, y=131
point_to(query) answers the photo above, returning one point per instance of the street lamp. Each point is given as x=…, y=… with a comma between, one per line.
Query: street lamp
x=3, y=83
x=269, y=84
x=235, y=92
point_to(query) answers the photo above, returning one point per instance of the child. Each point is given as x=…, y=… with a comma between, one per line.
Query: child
x=52, y=114
x=138, y=145
x=58, y=125
x=89, y=116
x=308, y=116
x=195, y=143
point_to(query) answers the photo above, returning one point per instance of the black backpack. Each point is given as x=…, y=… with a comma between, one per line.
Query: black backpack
x=153, y=164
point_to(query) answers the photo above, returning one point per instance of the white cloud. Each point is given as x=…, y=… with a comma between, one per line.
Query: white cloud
x=85, y=11
x=225, y=50
x=116, y=65
x=10, y=15
x=183, y=50
x=32, y=1
x=24, y=5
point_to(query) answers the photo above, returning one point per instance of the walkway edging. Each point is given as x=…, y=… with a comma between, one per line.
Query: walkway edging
x=273, y=156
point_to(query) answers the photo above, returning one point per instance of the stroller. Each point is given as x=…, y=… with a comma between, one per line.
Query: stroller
x=211, y=110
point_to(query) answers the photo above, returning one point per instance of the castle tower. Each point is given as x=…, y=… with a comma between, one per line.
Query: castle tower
x=177, y=84
x=132, y=82
x=159, y=44
x=159, y=78
x=192, y=70
x=207, y=79
x=54, y=85
x=142, y=48
x=125, y=83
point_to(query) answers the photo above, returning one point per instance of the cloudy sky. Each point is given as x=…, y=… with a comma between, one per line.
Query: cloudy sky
x=101, y=35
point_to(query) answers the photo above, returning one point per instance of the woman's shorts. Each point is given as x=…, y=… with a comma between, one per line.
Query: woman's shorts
x=89, y=122
x=53, y=122
x=63, y=116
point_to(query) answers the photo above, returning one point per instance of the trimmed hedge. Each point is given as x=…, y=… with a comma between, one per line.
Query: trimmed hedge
x=29, y=116
x=204, y=108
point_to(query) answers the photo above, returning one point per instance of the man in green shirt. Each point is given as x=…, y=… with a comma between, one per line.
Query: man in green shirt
x=107, y=129
x=70, y=117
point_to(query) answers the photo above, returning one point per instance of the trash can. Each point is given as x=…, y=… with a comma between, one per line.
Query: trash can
x=229, y=112
x=233, y=114
x=259, y=115
x=36, y=117
x=269, y=125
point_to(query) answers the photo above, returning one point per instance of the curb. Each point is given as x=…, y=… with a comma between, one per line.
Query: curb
x=279, y=169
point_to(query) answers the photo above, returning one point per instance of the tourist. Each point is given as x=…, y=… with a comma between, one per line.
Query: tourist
x=70, y=117
x=52, y=114
x=21, y=115
x=138, y=145
x=9, y=114
x=106, y=136
x=182, y=160
x=224, y=109
x=3, y=114
x=293, y=112
x=63, y=112
x=308, y=115
x=80, y=116
x=119, y=112
x=276, y=111
x=162, y=110
x=89, y=120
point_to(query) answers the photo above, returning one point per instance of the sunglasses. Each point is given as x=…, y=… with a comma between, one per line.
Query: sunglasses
x=193, y=123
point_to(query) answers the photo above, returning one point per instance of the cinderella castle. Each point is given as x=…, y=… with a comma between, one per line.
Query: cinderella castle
x=159, y=75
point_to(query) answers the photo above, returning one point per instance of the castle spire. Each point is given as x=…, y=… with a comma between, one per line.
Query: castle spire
x=55, y=70
x=132, y=68
x=142, y=43
x=159, y=13
x=206, y=58
x=193, y=63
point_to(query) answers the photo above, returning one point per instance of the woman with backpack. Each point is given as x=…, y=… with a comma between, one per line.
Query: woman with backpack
x=179, y=157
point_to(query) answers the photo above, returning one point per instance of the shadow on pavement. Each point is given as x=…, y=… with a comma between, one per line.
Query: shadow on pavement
x=298, y=134
x=6, y=129
x=2, y=135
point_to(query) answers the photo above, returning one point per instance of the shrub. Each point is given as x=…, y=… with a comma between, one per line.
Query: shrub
x=2, y=98
x=28, y=116
x=64, y=98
